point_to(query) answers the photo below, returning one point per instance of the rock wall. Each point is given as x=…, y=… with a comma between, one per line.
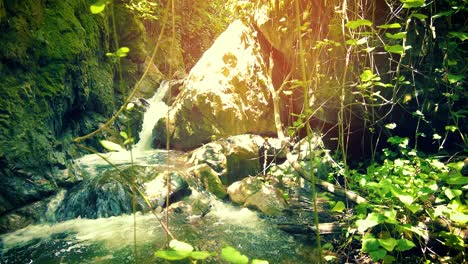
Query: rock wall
x=55, y=83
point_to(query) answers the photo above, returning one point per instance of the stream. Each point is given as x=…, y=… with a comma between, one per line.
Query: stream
x=65, y=239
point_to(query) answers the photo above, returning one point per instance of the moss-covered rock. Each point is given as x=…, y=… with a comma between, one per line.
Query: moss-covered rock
x=56, y=83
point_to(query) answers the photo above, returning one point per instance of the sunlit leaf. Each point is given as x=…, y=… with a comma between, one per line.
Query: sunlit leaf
x=171, y=254
x=371, y=220
x=200, y=255
x=339, y=207
x=412, y=3
x=436, y=136
x=230, y=254
x=111, y=146
x=459, y=217
x=414, y=208
x=98, y=7
x=122, y=52
x=357, y=23
x=388, y=26
x=399, y=35
x=404, y=244
x=388, y=243
x=123, y=134
x=130, y=106
x=451, y=128
x=328, y=258
x=259, y=261
x=452, y=193
x=180, y=246
x=398, y=49
x=391, y=126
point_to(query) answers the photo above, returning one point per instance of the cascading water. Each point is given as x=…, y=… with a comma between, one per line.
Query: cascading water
x=110, y=240
x=156, y=111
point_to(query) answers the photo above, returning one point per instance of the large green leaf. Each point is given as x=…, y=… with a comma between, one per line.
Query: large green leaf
x=353, y=24
x=398, y=49
x=399, y=35
x=371, y=220
x=172, y=254
x=231, y=255
x=339, y=207
x=388, y=243
x=259, y=261
x=378, y=254
x=180, y=246
x=388, y=26
x=200, y=255
x=111, y=146
x=404, y=244
x=412, y=3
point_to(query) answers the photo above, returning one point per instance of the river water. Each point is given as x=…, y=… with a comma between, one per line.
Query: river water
x=114, y=239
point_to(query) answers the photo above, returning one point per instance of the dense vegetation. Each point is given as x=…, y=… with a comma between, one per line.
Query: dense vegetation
x=384, y=82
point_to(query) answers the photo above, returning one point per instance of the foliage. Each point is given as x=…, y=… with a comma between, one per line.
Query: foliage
x=180, y=250
x=409, y=195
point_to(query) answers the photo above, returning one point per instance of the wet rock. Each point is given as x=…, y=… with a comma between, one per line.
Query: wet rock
x=226, y=93
x=209, y=179
x=233, y=158
x=254, y=193
x=113, y=193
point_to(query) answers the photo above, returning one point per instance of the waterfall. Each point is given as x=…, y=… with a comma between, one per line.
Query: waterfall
x=156, y=111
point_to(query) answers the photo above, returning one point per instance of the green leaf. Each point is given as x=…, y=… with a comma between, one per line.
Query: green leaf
x=459, y=217
x=460, y=35
x=388, y=26
x=357, y=23
x=328, y=258
x=419, y=16
x=122, y=52
x=399, y=35
x=111, y=146
x=378, y=254
x=230, y=254
x=391, y=126
x=130, y=106
x=458, y=180
x=339, y=207
x=98, y=7
x=171, y=254
x=436, y=136
x=200, y=255
x=180, y=246
x=443, y=14
x=371, y=220
x=452, y=78
x=414, y=208
x=366, y=76
x=259, y=261
x=451, y=128
x=404, y=244
x=369, y=243
x=123, y=134
x=451, y=193
x=388, y=243
x=398, y=49
x=412, y=3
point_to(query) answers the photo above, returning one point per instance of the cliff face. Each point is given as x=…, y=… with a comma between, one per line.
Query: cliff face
x=55, y=83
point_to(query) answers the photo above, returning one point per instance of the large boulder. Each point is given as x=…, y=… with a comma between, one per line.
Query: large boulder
x=226, y=93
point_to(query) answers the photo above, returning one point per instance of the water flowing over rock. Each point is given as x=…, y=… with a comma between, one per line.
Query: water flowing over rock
x=226, y=93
